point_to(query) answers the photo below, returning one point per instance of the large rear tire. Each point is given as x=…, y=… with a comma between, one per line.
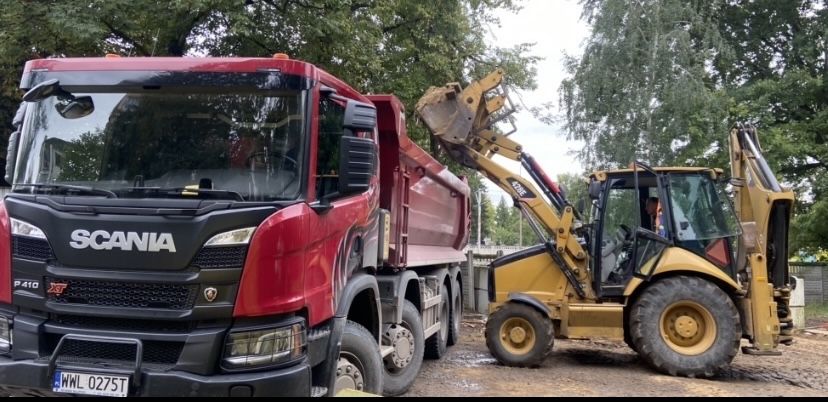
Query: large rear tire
x=400, y=368
x=436, y=345
x=685, y=326
x=519, y=336
x=359, y=366
x=456, y=313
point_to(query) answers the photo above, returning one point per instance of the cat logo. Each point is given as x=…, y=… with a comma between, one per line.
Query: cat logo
x=57, y=288
x=210, y=294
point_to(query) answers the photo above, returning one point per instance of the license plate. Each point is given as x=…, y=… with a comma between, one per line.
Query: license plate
x=90, y=384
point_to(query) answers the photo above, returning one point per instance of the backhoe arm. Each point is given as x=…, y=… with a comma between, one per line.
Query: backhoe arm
x=764, y=209
x=463, y=120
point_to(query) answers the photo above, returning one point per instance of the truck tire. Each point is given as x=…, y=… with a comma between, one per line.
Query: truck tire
x=685, y=326
x=455, y=314
x=360, y=365
x=409, y=334
x=436, y=345
x=517, y=335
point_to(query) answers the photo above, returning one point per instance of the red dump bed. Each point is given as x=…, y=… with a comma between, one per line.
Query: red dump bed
x=429, y=205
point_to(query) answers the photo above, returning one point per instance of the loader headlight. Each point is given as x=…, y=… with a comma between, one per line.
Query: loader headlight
x=5, y=335
x=263, y=347
x=231, y=238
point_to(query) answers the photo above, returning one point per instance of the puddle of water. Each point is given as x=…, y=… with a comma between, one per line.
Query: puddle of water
x=472, y=359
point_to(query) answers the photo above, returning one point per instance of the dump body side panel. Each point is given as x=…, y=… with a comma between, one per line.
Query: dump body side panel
x=429, y=205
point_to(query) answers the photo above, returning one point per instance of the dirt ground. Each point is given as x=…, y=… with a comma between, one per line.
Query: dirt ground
x=606, y=368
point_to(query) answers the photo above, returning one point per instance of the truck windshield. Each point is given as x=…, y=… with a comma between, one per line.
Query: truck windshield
x=244, y=146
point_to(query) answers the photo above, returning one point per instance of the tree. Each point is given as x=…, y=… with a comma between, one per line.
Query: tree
x=672, y=77
x=506, y=224
x=640, y=90
x=398, y=46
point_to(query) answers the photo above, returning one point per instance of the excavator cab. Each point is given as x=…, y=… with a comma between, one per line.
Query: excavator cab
x=638, y=213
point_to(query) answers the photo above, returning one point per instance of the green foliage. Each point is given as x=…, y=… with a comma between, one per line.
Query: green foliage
x=481, y=206
x=388, y=46
x=642, y=82
x=663, y=81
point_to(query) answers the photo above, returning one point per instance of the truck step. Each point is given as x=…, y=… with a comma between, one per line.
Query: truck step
x=318, y=392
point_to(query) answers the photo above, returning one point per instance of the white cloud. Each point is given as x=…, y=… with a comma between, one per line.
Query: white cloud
x=555, y=27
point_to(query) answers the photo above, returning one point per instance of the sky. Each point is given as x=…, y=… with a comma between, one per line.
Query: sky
x=555, y=27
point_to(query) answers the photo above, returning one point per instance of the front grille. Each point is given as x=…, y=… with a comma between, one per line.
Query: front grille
x=31, y=248
x=122, y=294
x=82, y=351
x=120, y=324
x=220, y=257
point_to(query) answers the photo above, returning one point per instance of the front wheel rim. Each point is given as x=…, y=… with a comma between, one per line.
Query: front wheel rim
x=349, y=373
x=688, y=328
x=517, y=335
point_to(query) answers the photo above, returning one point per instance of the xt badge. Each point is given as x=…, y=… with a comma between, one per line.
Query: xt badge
x=56, y=288
x=210, y=294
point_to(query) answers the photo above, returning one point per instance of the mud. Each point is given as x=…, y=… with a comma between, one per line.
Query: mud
x=608, y=368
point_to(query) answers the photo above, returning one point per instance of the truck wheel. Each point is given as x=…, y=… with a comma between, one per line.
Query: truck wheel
x=685, y=326
x=519, y=336
x=402, y=366
x=455, y=314
x=437, y=343
x=360, y=365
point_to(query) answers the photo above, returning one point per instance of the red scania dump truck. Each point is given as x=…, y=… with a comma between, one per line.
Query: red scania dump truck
x=221, y=227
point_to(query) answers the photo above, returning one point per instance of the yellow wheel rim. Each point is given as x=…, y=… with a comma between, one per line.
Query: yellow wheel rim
x=517, y=336
x=688, y=328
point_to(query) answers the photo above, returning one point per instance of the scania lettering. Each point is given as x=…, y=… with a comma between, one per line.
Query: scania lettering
x=103, y=240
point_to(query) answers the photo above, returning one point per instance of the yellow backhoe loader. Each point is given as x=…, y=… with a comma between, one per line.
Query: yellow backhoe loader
x=682, y=263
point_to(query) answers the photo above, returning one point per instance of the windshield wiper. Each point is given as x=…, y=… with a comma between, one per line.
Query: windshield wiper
x=68, y=189
x=181, y=192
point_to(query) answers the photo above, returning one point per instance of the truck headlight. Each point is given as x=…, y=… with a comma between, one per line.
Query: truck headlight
x=21, y=228
x=262, y=347
x=231, y=238
x=5, y=335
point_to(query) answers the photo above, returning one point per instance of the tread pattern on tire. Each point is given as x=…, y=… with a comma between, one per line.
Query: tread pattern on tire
x=648, y=341
x=397, y=385
x=436, y=345
x=354, y=329
x=542, y=325
x=454, y=332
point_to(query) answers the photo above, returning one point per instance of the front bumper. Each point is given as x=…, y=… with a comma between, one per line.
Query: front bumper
x=24, y=375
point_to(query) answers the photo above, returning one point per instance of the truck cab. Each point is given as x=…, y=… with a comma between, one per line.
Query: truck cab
x=221, y=227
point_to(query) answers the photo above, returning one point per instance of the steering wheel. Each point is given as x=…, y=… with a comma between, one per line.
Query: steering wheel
x=272, y=156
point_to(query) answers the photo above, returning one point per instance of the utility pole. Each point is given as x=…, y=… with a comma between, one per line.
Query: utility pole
x=479, y=222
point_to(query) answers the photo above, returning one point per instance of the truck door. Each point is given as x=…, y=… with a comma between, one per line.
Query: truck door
x=339, y=218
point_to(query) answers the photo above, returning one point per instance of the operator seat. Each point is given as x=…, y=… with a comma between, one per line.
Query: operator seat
x=610, y=250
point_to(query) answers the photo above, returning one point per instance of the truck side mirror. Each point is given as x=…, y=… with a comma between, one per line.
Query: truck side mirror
x=43, y=90
x=14, y=140
x=357, y=164
x=360, y=116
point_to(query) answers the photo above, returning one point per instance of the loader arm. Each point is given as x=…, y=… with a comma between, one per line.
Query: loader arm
x=463, y=122
x=764, y=209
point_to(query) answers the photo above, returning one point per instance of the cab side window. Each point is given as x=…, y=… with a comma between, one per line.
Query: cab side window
x=331, y=117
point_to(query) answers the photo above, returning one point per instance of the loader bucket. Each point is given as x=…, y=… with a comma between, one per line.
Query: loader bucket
x=445, y=115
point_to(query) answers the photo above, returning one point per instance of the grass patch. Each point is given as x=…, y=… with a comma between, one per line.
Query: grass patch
x=816, y=311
